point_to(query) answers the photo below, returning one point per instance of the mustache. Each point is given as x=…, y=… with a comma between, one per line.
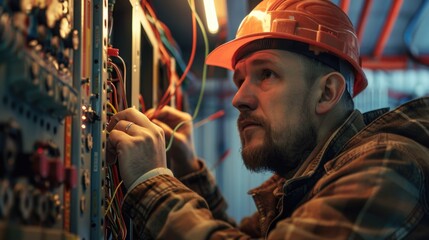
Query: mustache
x=245, y=119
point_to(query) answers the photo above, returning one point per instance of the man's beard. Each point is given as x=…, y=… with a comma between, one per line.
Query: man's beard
x=281, y=151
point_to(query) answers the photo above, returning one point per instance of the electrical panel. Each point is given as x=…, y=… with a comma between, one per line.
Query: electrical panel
x=61, y=79
x=38, y=101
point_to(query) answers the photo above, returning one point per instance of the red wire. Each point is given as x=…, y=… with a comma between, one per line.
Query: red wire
x=168, y=34
x=165, y=57
x=115, y=103
x=141, y=100
x=212, y=117
x=167, y=96
x=221, y=159
x=179, y=99
x=164, y=52
x=121, y=84
x=116, y=218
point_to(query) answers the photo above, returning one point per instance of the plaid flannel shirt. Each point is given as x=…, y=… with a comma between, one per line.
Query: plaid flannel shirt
x=370, y=180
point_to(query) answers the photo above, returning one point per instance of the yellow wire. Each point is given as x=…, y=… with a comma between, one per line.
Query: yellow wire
x=112, y=107
x=204, y=76
x=113, y=198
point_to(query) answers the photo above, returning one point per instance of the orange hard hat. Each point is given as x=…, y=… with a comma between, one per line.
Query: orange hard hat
x=319, y=24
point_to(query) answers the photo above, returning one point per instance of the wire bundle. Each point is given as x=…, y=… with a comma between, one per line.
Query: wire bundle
x=162, y=33
x=114, y=220
x=115, y=225
x=169, y=50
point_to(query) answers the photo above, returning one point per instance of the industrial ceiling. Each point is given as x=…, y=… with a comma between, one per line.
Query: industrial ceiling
x=393, y=33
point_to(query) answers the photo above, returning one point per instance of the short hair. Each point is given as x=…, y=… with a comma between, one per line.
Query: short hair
x=315, y=69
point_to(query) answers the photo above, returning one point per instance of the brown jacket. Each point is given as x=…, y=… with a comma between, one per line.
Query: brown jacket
x=369, y=181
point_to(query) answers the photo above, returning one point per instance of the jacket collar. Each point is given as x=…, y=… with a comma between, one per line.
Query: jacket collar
x=332, y=146
x=410, y=120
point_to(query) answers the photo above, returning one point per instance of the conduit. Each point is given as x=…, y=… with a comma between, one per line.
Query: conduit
x=345, y=5
x=363, y=19
x=385, y=63
x=387, y=29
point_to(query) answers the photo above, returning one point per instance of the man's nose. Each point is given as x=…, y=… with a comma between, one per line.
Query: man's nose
x=245, y=98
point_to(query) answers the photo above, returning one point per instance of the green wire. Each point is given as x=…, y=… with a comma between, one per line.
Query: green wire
x=204, y=76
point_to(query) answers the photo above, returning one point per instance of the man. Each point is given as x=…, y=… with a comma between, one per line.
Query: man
x=338, y=174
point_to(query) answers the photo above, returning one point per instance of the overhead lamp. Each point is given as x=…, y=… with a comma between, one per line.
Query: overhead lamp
x=211, y=16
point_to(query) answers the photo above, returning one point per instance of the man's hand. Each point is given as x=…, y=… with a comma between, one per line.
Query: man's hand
x=182, y=155
x=138, y=143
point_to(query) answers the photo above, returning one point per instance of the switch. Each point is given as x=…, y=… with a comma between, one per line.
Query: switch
x=24, y=200
x=6, y=198
x=56, y=172
x=82, y=204
x=54, y=209
x=91, y=115
x=40, y=161
x=41, y=205
x=89, y=142
x=10, y=147
x=86, y=180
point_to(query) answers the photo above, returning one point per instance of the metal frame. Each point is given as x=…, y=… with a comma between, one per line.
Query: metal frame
x=98, y=100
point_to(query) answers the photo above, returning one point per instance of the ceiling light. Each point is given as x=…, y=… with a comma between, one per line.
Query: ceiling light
x=211, y=16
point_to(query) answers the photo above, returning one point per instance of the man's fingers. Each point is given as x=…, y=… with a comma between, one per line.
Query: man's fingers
x=169, y=115
x=128, y=127
x=167, y=129
x=117, y=136
x=130, y=115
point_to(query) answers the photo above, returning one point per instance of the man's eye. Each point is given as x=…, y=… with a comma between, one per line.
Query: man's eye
x=266, y=73
x=238, y=82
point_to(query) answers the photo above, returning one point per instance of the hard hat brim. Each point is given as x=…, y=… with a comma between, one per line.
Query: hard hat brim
x=224, y=55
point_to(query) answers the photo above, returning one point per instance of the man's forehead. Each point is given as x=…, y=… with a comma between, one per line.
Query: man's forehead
x=272, y=58
x=265, y=56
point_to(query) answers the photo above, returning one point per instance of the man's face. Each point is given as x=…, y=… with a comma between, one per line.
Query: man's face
x=275, y=124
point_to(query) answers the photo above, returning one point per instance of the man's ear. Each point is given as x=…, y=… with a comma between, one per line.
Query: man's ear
x=332, y=86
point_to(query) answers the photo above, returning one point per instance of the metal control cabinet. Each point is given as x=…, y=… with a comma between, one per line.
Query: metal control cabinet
x=53, y=112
